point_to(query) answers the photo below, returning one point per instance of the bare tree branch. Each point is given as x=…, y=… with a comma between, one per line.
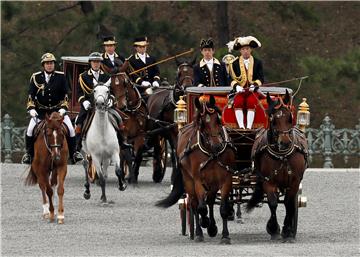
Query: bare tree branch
x=67, y=34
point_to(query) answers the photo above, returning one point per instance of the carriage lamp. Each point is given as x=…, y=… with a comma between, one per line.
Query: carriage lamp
x=180, y=113
x=303, y=115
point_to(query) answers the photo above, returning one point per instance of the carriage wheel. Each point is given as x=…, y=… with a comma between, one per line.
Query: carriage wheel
x=191, y=222
x=91, y=170
x=295, y=219
x=160, y=172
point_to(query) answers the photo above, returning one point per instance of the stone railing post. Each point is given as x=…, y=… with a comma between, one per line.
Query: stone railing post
x=327, y=127
x=7, y=127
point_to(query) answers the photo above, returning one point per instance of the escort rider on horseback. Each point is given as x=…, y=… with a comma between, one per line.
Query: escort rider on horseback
x=149, y=77
x=85, y=94
x=209, y=72
x=112, y=62
x=247, y=75
x=48, y=93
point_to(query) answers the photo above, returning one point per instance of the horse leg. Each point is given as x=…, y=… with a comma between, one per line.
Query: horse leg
x=50, y=193
x=60, y=190
x=272, y=226
x=202, y=207
x=198, y=230
x=212, y=230
x=86, y=165
x=225, y=210
x=174, y=160
x=46, y=211
x=287, y=232
x=119, y=173
x=137, y=162
x=157, y=172
x=99, y=172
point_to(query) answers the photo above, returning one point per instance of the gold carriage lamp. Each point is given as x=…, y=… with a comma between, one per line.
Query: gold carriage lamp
x=180, y=113
x=303, y=115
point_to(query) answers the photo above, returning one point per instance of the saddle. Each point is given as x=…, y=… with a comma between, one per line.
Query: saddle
x=261, y=142
x=114, y=117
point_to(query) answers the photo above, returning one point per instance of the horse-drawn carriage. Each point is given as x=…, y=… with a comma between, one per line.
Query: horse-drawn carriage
x=247, y=176
x=73, y=66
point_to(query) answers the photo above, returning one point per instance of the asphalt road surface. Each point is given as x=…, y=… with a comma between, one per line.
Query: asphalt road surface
x=133, y=226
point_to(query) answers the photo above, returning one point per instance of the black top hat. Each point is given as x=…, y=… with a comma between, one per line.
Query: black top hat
x=207, y=43
x=109, y=40
x=141, y=41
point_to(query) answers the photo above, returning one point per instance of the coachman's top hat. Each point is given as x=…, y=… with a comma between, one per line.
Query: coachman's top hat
x=141, y=41
x=110, y=40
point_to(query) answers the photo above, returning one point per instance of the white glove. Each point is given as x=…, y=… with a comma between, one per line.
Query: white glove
x=149, y=91
x=200, y=85
x=155, y=84
x=239, y=89
x=252, y=87
x=33, y=113
x=86, y=104
x=110, y=102
x=62, y=111
x=146, y=83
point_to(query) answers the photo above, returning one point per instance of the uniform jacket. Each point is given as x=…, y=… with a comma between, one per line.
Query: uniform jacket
x=151, y=74
x=244, y=78
x=108, y=67
x=86, y=85
x=202, y=74
x=48, y=97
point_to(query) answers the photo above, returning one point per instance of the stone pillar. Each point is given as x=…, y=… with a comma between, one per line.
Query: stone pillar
x=327, y=127
x=7, y=127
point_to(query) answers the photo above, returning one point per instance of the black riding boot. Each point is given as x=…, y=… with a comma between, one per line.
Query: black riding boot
x=122, y=142
x=75, y=155
x=29, y=155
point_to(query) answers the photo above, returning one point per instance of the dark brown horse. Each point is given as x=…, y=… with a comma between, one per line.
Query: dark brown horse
x=134, y=113
x=280, y=159
x=161, y=105
x=205, y=157
x=49, y=166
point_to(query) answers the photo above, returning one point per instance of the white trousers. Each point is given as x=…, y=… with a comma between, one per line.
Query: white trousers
x=34, y=121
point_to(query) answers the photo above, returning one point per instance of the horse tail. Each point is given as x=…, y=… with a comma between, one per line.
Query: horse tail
x=176, y=192
x=31, y=178
x=256, y=197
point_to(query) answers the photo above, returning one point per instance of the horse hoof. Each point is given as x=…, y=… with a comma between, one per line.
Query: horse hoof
x=123, y=187
x=290, y=240
x=225, y=241
x=275, y=237
x=87, y=196
x=239, y=221
x=212, y=231
x=60, y=221
x=204, y=222
x=199, y=239
x=46, y=216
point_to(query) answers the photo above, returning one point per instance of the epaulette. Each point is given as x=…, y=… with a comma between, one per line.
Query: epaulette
x=126, y=59
x=234, y=59
x=59, y=72
x=34, y=74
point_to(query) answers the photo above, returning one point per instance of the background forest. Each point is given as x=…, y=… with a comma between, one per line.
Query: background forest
x=319, y=39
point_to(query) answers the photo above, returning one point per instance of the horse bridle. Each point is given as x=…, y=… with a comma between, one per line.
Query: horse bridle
x=105, y=107
x=179, y=82
x=51, y=146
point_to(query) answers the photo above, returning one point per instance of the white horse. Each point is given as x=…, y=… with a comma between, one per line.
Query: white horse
x=101, y=141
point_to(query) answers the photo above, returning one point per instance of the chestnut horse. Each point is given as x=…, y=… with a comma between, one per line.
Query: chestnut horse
x=49, y=166
x=161, y=105
x=134, y=113
x=280, y=160
x=205, y=159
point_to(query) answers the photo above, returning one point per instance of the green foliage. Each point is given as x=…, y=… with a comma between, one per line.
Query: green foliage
x=291, y=10
x=10, y=9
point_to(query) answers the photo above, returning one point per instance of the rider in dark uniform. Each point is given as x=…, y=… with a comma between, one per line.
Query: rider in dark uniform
x=112, y=61
x=85, y=96
x=48, y=93
x=149, y=77
x=210, y=72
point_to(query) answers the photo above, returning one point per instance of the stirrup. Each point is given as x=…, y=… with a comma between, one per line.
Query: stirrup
x=77, y=156
x=26, y=159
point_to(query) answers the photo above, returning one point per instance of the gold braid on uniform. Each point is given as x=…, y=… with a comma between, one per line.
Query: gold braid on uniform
x=30, y=103
x=84, y=87
x=244, y=76
x=39, y=86
x=65, y=102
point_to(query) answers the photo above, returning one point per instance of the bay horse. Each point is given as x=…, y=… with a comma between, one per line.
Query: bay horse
x=161, y=105
x=135, y=115
x=205, y=156
x=280, y=160
x=49, y=166
x=101, y=142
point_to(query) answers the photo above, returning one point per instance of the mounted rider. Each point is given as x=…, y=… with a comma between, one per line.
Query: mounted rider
x=48, y=93
x=210, y=72
x=149, y=77
x=85, y=97
x=112, y=62
x=247, y=75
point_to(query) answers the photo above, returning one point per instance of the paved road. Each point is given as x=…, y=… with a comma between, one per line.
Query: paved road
x=132, y=226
